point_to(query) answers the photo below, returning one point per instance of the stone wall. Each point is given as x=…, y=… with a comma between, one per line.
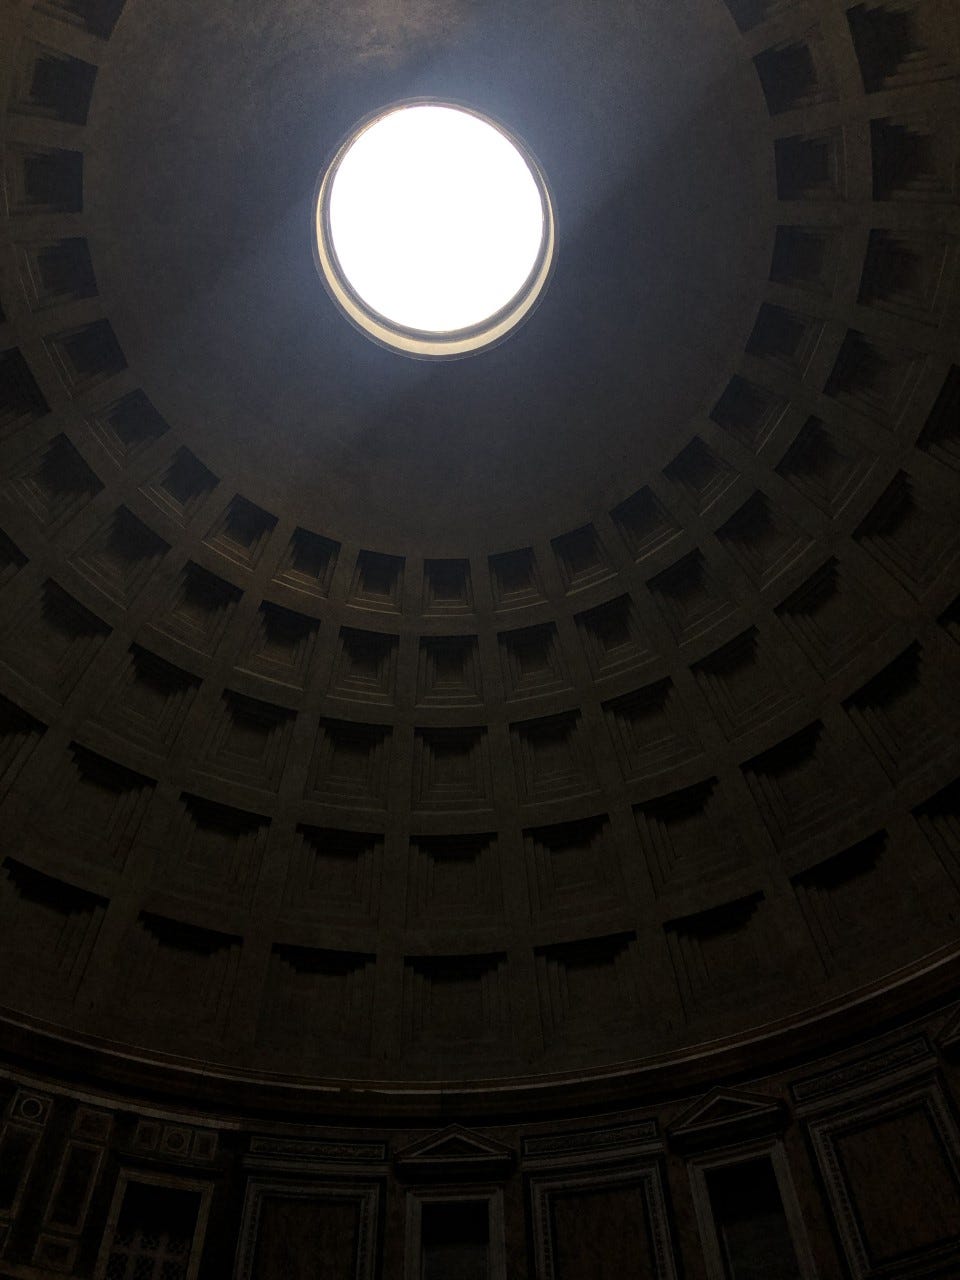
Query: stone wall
x=841, y=1166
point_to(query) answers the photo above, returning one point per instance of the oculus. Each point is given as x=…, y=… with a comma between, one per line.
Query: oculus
x=435, y=231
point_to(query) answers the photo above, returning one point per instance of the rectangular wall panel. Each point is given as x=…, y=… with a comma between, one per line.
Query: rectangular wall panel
x=591, y=1226
x=295, y=1235
x=294, y=1231
x=892, y=1172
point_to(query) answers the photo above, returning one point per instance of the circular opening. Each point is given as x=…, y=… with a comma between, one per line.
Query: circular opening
x=434, y=229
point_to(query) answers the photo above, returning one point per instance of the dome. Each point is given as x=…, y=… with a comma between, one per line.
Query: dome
x=389, y=685
x=554, y=726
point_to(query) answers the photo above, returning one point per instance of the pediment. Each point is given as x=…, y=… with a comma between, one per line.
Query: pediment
x=454, y=1152
x=726, y=1115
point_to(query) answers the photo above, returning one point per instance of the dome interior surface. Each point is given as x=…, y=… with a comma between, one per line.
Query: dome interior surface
x=581, y=709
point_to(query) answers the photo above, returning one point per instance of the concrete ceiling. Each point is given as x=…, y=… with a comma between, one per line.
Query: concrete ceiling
x=583, y=709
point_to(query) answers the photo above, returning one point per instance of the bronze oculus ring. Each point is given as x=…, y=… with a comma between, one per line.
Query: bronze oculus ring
x=434, y=229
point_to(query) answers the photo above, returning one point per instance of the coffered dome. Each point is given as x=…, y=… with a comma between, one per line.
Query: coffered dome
x=584, y=709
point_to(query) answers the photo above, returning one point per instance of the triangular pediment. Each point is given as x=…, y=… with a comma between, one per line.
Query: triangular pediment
x=452, y=1151
x=457, y=1146
x=726, y=1115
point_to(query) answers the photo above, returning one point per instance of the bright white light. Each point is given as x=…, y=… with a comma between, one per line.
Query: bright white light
x=435, y=217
